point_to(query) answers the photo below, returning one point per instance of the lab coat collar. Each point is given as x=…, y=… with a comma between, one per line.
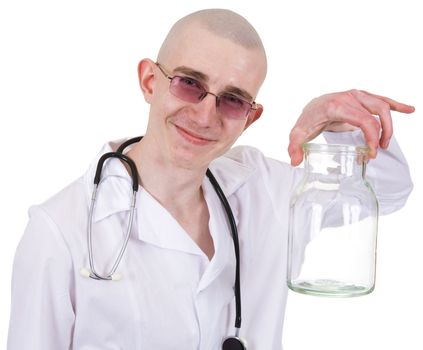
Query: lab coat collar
x=230, y=173
x=116, y=183
x=224, y=255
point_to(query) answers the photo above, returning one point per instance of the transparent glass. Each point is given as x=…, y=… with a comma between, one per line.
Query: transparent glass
x=333, y=224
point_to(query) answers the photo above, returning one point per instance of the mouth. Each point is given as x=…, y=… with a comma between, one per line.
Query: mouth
x=192, y=137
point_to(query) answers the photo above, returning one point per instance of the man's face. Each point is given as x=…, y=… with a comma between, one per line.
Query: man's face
x=191, y=135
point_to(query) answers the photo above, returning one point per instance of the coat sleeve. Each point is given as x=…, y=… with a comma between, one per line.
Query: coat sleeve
x=42, y=313
x=388, y=173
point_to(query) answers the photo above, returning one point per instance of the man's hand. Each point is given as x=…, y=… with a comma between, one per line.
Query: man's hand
x=345, y=111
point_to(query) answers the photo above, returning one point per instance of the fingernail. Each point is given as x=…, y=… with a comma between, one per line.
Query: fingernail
x=372, y=152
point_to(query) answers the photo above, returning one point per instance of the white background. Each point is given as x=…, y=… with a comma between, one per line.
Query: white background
x=68, y=83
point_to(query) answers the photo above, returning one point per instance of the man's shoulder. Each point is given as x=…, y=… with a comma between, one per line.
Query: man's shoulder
x=251, y=158
x=245, y=155
x=70, y=199
x=240, y=160
x=75, y=197
x=246, y=165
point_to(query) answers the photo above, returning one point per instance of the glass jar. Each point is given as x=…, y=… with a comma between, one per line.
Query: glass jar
x=333, y=224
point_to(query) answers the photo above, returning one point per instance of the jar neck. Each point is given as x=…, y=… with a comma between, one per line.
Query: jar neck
x=335, y=160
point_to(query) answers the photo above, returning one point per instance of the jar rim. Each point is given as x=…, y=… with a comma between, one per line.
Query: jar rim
x=336, y=148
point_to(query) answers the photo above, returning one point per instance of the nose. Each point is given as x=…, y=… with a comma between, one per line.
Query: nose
x=210, y=93
x=206, y=110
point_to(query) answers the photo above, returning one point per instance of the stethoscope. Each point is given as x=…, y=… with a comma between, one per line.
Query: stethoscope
x=229, y=343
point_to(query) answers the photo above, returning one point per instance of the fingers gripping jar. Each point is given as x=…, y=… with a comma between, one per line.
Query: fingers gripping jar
x=333, y=224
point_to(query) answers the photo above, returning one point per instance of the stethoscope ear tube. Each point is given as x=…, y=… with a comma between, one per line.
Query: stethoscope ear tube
x=112, y=275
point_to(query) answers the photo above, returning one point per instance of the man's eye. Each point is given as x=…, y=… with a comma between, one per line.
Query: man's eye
x=232, y=99
x=192, y=83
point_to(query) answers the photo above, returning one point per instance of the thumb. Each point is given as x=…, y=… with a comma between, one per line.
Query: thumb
x=296, y=153
x=295, y=148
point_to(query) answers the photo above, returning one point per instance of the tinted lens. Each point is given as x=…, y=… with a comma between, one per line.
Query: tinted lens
x=232, y=106
x=187, y=89
x=190, y=90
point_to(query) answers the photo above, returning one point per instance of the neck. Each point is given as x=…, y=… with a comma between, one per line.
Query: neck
x=175, y=187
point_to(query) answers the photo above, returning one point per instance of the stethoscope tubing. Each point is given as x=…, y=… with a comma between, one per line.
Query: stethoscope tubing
x=111, y=275
x=235, y=239
x=97, y=177
x=230, y=342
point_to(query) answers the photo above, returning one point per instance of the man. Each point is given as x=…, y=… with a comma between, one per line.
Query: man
x=176, y=290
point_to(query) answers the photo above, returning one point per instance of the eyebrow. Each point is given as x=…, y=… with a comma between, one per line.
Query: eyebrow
x=240, y=92
x=192, y=73
x=205, y=78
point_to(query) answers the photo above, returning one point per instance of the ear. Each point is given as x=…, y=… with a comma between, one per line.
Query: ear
x=254, y=115
x=146, y=78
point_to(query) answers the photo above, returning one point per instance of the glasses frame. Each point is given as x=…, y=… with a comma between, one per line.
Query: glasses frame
x=253, y=104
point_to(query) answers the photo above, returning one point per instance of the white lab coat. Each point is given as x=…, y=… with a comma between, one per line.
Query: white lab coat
x=170, y=295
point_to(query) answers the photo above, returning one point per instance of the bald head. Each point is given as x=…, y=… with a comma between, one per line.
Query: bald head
x=223, y=23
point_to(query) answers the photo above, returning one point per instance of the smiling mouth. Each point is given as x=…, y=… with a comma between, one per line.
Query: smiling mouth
x=193, y=138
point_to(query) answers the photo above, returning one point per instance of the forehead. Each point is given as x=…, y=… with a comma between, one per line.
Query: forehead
x=224, y=62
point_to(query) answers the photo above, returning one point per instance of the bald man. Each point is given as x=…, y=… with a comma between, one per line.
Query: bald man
x=174, y=286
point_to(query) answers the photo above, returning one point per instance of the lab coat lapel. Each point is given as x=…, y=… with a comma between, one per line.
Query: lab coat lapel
x=222, y=240
x=230, y=176
x=157, y=226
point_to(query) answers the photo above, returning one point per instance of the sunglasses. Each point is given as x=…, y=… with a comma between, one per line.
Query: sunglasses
x=190, y=90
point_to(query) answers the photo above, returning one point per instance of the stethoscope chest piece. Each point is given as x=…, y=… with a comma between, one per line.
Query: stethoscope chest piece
x=234, y=343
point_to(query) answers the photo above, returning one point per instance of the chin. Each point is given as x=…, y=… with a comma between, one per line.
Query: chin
x=191, y=157
x=191, y=152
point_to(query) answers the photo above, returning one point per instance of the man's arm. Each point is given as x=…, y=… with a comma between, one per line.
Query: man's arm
x=42, y=314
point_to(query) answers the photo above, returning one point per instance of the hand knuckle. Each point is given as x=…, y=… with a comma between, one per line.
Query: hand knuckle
x=385, y=107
